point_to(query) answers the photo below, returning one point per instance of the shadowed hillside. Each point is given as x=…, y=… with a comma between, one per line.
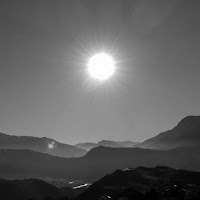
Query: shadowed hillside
x=95, y=164
x=28, y=189
x=142, y=183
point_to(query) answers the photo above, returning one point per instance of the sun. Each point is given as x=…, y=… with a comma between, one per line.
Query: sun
x=101, y=66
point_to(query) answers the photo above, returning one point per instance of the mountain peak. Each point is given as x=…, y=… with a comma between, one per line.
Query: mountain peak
x=189, y=120
x=185, y=134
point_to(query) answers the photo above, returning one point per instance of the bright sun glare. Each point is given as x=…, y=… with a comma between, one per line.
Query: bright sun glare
x=101, y=66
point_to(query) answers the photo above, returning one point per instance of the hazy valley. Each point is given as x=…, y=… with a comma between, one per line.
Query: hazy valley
x=29, y=157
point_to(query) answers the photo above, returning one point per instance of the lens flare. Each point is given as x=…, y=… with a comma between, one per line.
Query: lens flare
x=51, y=145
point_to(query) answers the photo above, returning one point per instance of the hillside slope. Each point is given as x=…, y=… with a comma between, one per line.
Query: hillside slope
x=185, y=134
x=137, y=184
x=43, y=145
x=95, y=164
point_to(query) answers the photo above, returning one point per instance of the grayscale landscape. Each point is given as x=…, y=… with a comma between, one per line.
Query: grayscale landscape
x=99, y=100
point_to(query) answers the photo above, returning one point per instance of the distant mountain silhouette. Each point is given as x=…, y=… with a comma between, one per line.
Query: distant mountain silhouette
x=44, y=145
x=182, y=141
x=134, y=183
x=185, y=134
x=106, y=143
x=95, y=164
x=87, y=145
x=116, y=144
x=127, y=143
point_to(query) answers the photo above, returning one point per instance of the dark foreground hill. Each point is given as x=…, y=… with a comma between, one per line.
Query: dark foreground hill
x=185, y=134
x=94, y=165
x=35, y=189
x=43, y=145
x=28, y=189
x=141, y=183
x=145, y=184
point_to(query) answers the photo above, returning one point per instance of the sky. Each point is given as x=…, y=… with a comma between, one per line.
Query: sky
x=45, y=89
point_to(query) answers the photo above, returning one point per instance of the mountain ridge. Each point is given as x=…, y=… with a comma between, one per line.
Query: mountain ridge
x=106, y=143
x=185, y=134
x=43, y=145
x=95, y=164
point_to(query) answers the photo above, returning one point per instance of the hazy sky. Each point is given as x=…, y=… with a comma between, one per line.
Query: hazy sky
x=44, y=48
